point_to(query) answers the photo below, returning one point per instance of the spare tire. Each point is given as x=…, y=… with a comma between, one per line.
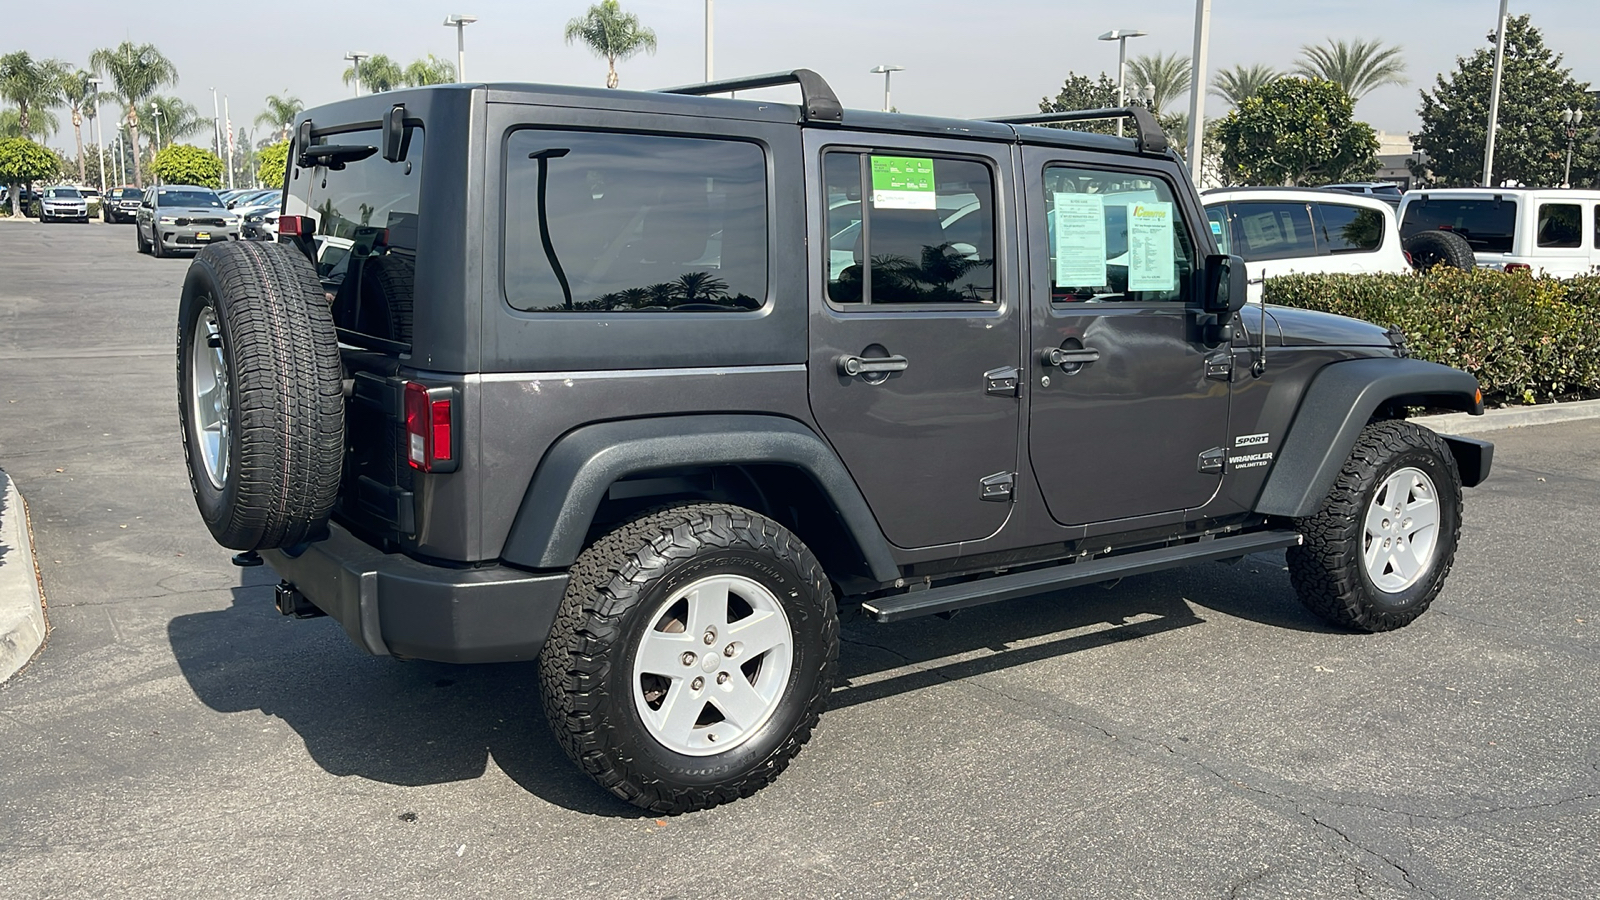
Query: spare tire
x=260, y=398
x=1432, y=248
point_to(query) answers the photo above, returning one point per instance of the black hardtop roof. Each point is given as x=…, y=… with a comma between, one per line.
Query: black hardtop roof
x=369, y=108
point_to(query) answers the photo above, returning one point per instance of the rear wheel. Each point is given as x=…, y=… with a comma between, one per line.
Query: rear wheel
x=138, y=237
x=1433, y=248
x=691, y=658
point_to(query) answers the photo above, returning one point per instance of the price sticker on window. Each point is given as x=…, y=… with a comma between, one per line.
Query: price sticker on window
x=903, y=182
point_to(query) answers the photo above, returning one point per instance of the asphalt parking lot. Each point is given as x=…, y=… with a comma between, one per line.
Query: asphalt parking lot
x=1189, y=734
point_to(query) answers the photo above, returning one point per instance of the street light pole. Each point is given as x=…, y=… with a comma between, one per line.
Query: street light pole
x=99, y=139
x=355, y=57
x=227, y=119
x=1570, y=118
x=1197, y=86
x=708, y=40
x=1121, y=35
x=216, y=122
x=459, y=23
x=885, y=71
x=1494, y=94
x=155, y=116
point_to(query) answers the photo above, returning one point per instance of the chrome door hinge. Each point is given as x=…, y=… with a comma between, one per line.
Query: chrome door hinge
x=1006, y=382
x=1212, y=461
x=1219, y=366
x=997, y=487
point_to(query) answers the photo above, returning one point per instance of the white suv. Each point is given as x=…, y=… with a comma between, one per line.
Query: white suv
x=1280, y=231
x=1547, y=231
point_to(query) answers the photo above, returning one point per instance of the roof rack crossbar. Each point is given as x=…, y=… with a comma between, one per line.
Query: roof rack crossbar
x=1148, y=134
x=820, y=103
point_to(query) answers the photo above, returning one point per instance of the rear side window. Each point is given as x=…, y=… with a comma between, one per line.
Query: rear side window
x=1350, y=229
x=1560, y=225
x=1274, y=230
x=1488, y=224
x=634, y=223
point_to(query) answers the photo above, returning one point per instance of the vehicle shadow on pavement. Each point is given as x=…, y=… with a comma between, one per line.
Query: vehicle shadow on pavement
x=397, y=722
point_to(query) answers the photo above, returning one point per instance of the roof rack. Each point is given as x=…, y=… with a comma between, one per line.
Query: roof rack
x=820, y=103
x=1149, y=137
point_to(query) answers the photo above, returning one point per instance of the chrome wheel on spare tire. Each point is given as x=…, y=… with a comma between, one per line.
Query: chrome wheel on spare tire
x=208, y=397
x=692, y=656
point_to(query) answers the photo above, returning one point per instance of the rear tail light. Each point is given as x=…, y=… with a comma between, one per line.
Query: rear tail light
x=430, y=428
x=1518, y=267
x=296, y=226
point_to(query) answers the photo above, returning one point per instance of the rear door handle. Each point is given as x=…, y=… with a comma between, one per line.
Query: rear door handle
x=1055, y=356
x=856, y=365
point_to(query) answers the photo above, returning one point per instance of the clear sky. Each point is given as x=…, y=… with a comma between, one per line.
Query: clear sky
x=962, y=58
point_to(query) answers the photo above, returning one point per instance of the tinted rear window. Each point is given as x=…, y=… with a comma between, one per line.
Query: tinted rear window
x=1351, y=229
x=1487, y=224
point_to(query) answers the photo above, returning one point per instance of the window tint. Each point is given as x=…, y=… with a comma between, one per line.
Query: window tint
x=928, y=235
x=1487, y=224
x=1274, y=230
x=1115, y=237
x=634, y=223
x=1560, y=225
x=1350, y=229
x=1218, y=216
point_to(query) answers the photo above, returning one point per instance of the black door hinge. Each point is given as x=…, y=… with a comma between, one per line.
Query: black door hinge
x=1212, y=461
x=1219, y=366
x=1006, y=382
x=997, y=487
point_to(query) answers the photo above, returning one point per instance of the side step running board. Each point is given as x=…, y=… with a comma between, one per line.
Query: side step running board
x=1022, y=584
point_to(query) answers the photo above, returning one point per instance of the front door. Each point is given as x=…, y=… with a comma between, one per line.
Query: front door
x=916, y=328
x=1128, y=404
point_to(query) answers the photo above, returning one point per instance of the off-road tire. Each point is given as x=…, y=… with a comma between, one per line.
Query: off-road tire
x=286, y=402
x=1328, y=572
x=586, y=666
x=1432, y=248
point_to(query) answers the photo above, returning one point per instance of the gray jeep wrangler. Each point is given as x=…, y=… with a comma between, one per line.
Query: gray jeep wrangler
x=646, y=386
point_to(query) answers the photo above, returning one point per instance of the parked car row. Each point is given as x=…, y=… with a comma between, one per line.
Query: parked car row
x=176, y=218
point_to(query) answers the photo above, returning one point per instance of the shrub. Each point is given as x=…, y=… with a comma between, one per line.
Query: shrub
x=1527, y=340
x=183, y=164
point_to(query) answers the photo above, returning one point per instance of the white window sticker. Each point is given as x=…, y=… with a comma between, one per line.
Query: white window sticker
x=903, y=182
x=1150, y=242
x=1079, y=226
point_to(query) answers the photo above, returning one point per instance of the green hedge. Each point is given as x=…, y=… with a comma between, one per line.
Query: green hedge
x=1528, y=340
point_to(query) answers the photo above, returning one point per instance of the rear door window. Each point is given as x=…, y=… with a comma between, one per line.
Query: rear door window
x=1560, y=226
x=1270, y=230
x=1350, y=229
x=1488, y=224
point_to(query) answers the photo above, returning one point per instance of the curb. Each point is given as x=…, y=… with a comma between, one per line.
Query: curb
x=1512, y=417
x=22, y=622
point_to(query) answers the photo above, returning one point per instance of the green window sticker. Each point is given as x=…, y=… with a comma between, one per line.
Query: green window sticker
x=903, y=182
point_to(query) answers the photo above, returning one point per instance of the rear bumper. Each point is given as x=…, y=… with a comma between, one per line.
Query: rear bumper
x=391, y=604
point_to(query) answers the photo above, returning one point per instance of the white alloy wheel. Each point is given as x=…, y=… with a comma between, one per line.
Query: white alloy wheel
x=712, y=667
x=208, y=396
x=1402, y=530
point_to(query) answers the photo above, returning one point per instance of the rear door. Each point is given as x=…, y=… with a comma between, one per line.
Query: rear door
x=916, y=328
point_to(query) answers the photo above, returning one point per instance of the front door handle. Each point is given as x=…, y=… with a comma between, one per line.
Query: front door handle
x=1055, y=356
x=856, y=365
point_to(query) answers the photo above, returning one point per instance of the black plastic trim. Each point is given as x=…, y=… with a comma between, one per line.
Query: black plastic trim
x=1340, y=401
x=819, y=102
x=1473, y=458
x=1149, y=136
x=391, y=604
x=576, y=472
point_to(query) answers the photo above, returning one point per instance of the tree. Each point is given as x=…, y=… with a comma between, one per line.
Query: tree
x=1297, y=131
x=186, y=164
x=280, y=113
x=177, y=120
x=24, y=162
x=1240, y=83
x=34, y=86
x=136, y=71
x=1083, y=92
x=1169, y=74
x=80, y=95
x=1530, y=144
x=272, y=163
x=432, y=70
x=1360, y=67
x=611, y=34
x=378, y=73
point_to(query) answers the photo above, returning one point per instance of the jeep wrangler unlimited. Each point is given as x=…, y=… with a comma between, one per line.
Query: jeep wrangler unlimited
x=642, y=385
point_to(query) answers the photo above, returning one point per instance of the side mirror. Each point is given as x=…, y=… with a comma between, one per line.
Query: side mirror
x=1227, y=286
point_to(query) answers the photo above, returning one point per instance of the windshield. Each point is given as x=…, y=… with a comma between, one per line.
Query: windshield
x=187, y=198
x=127, y=193
x=63, y=194
x=1487, y=223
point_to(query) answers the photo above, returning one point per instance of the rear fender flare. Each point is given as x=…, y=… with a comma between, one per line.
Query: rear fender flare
x=1340, y=401
x=580, y=467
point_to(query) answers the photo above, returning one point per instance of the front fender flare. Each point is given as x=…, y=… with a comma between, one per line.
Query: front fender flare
x=1339, y=403
x=554, y=518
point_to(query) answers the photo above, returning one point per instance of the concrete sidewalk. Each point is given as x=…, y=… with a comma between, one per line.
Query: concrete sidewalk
x=22, y=622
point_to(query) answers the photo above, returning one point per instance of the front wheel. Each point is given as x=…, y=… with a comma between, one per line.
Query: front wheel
x=1377, y=551
x=691, y=658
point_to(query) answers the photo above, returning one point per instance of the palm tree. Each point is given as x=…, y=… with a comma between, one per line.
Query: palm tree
x=177, y=120
x=611, y=34
x=378, y=74
x=1240, y=83
x=1359, y=66
x=1169, y=74
x=34, y=86
x=78, y=89
x=432, y=70
x=699, y=286
x=136, y=71
x=280, y=113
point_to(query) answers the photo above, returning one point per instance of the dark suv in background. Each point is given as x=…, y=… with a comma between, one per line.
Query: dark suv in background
x=121, y=204
x=647, y=386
